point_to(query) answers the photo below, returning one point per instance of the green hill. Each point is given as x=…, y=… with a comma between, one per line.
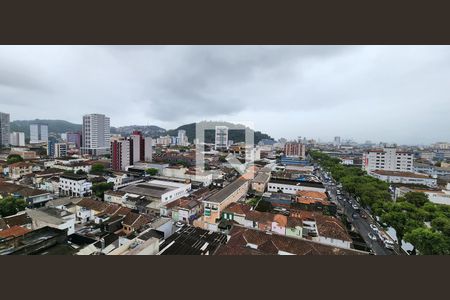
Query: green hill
x=54, y=126
x=235, y=135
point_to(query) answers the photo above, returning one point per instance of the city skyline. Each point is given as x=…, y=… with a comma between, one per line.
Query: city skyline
x=320, y=91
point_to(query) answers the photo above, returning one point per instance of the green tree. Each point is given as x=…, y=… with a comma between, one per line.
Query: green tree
x=97, y=168
x=99, y=189
x=151, y=171
x=14, y=158
x=428, y=242
x=418, y=199
x=81, y=172
x=11, y=205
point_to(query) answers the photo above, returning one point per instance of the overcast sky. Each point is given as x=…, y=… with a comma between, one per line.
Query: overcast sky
x=380, y=93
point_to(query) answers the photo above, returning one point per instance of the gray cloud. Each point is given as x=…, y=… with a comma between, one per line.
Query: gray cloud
x=390, y=93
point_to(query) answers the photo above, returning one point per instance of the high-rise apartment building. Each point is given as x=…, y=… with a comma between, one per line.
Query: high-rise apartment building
x=221, y=140
x=337, y=141
x=294, y=149
x=17, y=139
x=128, y=151
x=4, y=130
x=96, y=135
x=74, y=137
x=182, y=139
x=120, y=154
x=388, y=159
x=38, y=133
x=63, y=149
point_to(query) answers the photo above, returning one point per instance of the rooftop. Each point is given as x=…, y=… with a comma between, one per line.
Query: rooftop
x=400, y=174
x=224, y=193
x=297, y=183
x=246, y=241
x=192, y=241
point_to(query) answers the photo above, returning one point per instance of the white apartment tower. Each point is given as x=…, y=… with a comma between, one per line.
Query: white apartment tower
x=182, y=139
x=17, y=139
x=4, y=130
x=388, y=159
x=221, y=141
x=96, y=135
x=148, y=154
x=38, y=133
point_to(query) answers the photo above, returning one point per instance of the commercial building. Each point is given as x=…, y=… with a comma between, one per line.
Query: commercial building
x=74, y=185
x=388, y=159
x=96, y=135
x=289, y=186
x=159, y=192
x=221, y=138
x=294, y=149
x=38, y=133
x=4, y=130
x=17, y=139
x=404, y=177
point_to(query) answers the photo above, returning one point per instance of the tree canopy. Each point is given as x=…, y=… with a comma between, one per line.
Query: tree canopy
x=11, y=206
x=14, y=158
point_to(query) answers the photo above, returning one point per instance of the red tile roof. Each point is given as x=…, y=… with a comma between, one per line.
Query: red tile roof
x=13, y=231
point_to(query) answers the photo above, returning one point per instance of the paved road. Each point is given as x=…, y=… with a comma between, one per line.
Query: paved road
x=361, y=225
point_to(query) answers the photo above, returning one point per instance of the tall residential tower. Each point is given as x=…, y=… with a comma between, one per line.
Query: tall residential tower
x=96, y=135
x=4, y=130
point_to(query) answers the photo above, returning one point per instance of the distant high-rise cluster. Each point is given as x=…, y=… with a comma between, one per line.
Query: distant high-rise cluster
x=96, y=135
x=4, y=130
x=128, y=151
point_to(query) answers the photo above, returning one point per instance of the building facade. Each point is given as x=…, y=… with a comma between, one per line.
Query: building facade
x=38, y=133
x=4, y=130
x=388, y=159
x=294, y=149
x=74, y=137
x=221, y=140
x=17, y=139
x=120, y=154
x=96, y=135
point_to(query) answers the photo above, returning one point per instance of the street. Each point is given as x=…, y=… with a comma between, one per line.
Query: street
x=360, y=224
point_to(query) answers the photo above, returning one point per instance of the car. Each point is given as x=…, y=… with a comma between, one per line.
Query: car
x=179, y=224
x=354, y=206
x=374, y=228
x=372, y=236
x=363, y=215
x=388, y=244
x=355, y=215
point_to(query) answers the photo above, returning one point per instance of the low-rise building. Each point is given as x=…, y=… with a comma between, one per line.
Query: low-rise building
x=259, y=183
x=75, y=185
x=20, y=169
x=278, y=185
x=52, y=217
x=33, y=197
x=404, y=177
x=214, y=204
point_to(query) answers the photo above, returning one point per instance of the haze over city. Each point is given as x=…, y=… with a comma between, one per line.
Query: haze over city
x=378, y=93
